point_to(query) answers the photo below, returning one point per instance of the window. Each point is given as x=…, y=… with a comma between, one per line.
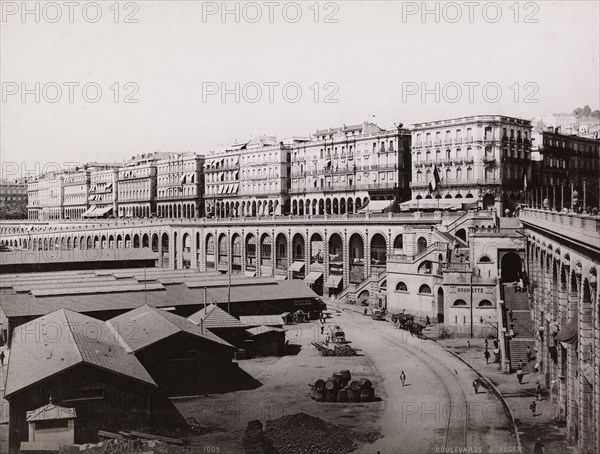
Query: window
x=425, y=289
x=459, y=303
x=401, y=287
x=485, y=303
x=484, y=259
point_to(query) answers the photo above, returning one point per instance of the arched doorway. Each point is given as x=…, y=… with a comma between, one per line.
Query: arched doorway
x=210, y=253
x=421, y=244
x=357, y=258
x=378, y=254
x=251, y=253
x=488, y=201
x=510, y=267
x=281, y=252
x=440, y=305
x=462, y=234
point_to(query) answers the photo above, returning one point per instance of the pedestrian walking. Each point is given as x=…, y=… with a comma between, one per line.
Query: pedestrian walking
x=536, y=368
x=322, y=328
x=427, y=321
x=476, y=385
x=520, y=375
x=528, y=353
x=487, y=356
x=468, y=343
x=365, y=311
x=539, y=447
x=2, y=356
x=533, y=408
x=486, y=344
x=538, y=391
x=402, y=378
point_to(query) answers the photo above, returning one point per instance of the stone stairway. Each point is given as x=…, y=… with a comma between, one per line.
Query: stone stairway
x=519, y=320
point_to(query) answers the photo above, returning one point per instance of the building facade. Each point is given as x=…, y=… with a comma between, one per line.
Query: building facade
x=249, y=179
x=50, y=196
x=563, y=165
x=342, y=169
x=104, y=183
x=13, y=194
x=180, y=186
x=76, y=186
x=136, y=192
x=479, y=160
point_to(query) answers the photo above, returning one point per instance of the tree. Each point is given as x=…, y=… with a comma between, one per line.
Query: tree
x=587, y=110
x=577, y=112
x=596, y=113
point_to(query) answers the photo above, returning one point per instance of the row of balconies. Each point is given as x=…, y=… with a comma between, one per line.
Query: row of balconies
x=353, y=169
x=461, y=140
x=451, y=161
x=345, y=187
x=454, y=182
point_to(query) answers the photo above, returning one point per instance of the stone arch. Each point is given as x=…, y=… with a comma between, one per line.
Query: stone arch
x=440, y=305
x=379, y=251
x=401, y=287
x=398, y=243
x=462, y=234
x=425, y=267
x=356, y=256
x=425, y=289
x=165, y=242
x=127, y=240
x=421, y=244
x=236, y=253
x=251, y=254
x=111, y=242
x=154, y=242
x=223, y=251
x=210, y=252
x=136, y=241
x=363, y=297
x=317, y=253
x=266, y=249
x=298, y=247
x=281, y=250
x=510, y=267
x=145, y=240
x=89, y=243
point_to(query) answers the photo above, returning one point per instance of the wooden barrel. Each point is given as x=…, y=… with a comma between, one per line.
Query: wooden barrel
x=367, y=395
x=355, y=386
x=320, y=385
x=346, y=374
x=319, y=396
x=331, y=385
x=331, y=396
x=365, y=383
x=338, y=378
x=353, y=396
x=342, y=395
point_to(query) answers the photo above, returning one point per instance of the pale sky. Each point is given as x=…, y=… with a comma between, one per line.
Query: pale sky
x=367, y=61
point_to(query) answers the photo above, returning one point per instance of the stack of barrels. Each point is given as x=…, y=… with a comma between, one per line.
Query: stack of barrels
x=341, y=388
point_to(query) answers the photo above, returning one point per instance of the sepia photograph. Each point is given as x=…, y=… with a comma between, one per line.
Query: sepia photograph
x=299, y=227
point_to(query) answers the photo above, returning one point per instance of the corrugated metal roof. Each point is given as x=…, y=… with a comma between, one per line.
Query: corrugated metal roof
x=259, y=320
x=148, y=325
x=215, y=317
x=264, y=329
x=22, y=305
x=63, y=339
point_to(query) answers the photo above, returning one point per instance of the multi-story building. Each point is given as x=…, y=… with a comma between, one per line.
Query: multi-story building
x=563, y=165
x=34, y=208
x=137, y=185
x=249, y=179
x=341, y=170
x=76, y=185
x=103, y=192
x=49, y=196
x=479, y=160
x=180, y=186
x=12, y=194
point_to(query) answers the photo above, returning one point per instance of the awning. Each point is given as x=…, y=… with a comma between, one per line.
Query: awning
x=569, y=334
x=297, y=266
x=99, y=212
x=313, y=277
x=249, y=273
x=376, y=206
x=88, y=211
x=223, y=267
x=235, y=188
x=333, y=281
x=280, y=277
x=182, y=178
x=92, y=197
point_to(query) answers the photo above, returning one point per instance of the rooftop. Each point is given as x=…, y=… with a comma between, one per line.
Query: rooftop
x=61, y=340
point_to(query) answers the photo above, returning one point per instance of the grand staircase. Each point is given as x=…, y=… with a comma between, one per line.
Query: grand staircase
x=517, y=305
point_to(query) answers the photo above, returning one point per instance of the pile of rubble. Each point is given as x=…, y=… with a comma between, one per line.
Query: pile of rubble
x=125, y=446
x=304, y=434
